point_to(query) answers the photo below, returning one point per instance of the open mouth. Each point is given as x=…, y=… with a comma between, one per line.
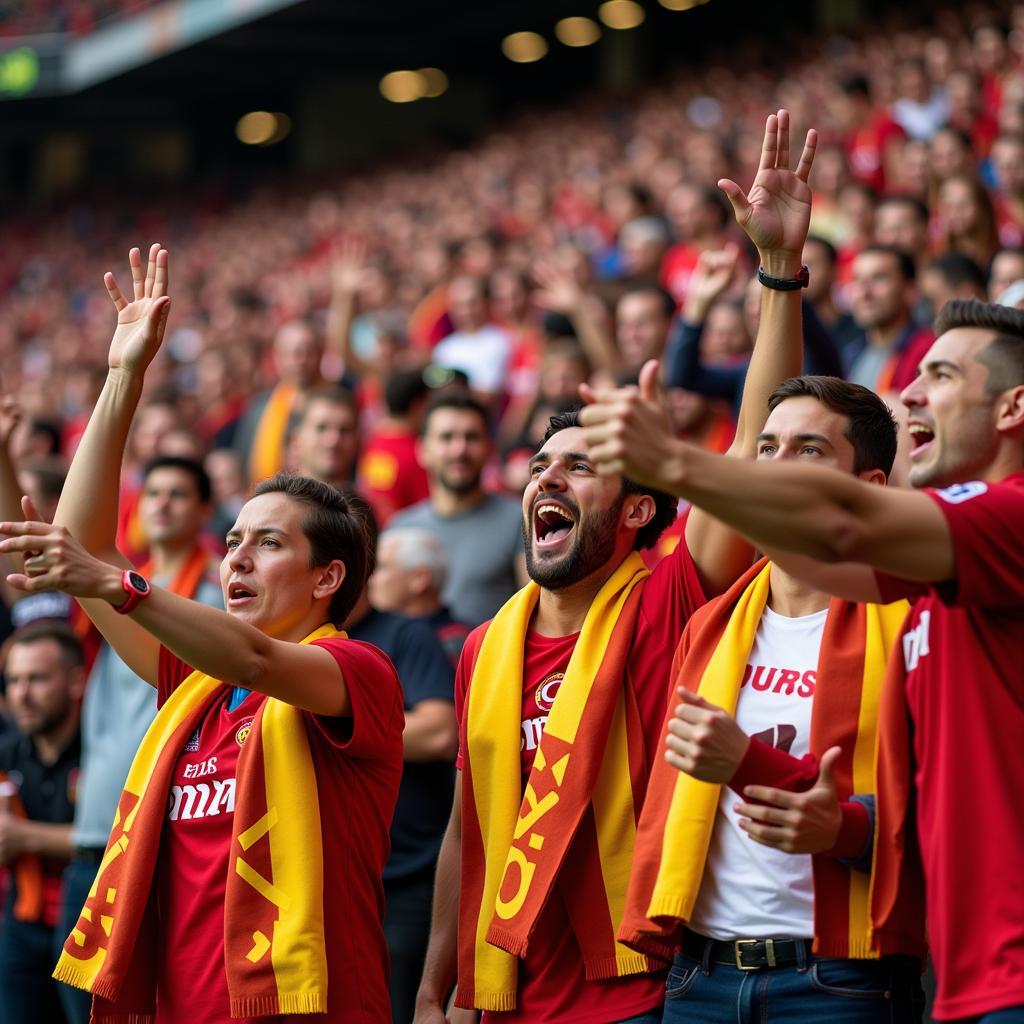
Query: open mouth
x=552, y=523
x=239, y=594
x=921, y=437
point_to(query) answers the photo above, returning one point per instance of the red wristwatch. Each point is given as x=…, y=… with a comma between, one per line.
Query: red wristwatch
x=136, y=586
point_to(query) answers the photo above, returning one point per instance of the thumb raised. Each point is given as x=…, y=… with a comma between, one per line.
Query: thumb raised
x=827, y=767
x=649, y=389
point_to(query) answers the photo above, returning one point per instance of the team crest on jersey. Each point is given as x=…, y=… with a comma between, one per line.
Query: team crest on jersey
x=962, y=492
x=243, y=731
x=192, y=744
x=547, y=690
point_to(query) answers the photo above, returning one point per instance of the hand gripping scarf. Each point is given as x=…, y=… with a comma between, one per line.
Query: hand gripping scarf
x=679, y=813
x=274, y=951
x=575, y=824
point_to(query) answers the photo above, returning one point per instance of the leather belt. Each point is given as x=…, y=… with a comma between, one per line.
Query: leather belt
x=747, y=954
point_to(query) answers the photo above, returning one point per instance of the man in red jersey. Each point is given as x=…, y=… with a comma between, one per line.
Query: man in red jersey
x=581, y=533
x=957, y=546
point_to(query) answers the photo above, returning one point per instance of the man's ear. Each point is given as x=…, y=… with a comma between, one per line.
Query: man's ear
x=638, y=511
x=331, y=577
x=874, y=476
x=1010, y=410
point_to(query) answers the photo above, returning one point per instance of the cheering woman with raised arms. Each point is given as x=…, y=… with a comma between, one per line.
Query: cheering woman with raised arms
x=242, y=876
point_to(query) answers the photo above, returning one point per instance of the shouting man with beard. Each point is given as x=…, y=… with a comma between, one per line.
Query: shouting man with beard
x=560, y=699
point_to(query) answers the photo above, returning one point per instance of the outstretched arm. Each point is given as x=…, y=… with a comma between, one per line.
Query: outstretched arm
x=206, y=638
x=88, y=502
x=775, y=215
x=811, y=510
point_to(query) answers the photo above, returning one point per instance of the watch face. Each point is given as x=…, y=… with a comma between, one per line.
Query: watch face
x=138, y=582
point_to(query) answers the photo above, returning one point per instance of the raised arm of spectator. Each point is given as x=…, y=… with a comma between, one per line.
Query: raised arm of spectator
x=347, y=276
x=683, y=366
x=88, y=503
x=776, y=216
x=560, y=293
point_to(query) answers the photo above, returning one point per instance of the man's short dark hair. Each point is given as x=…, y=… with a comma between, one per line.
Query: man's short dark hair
x=332, y=394
x=50, y=472
x=665, y=300
x=336, y=528
x=461, y=401
x=957, y=268
x=1004, y=354
x=871, y=430
x=666, y=506
x=194, y=469
x=402, y=389
x=41, y=426
x=61, y=633
x=855, y=84
x=919, y=206
x=904, y=261
x=829, y=249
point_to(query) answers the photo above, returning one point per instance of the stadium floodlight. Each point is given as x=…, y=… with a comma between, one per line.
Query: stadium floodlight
x=436, y=82
x=404, y=86
x=621, y=14
x=262, y=128
x=577, y=31
x=524, y=47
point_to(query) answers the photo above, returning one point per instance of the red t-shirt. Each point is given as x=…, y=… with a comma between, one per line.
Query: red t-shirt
x=865, y=149
x=552, y=986
x=390, y=475
x=358, y=763
x=963, y=657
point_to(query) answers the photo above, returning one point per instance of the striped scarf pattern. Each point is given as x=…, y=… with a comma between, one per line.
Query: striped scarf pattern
x=274, y=954
x=574, y=826
x=679, y=814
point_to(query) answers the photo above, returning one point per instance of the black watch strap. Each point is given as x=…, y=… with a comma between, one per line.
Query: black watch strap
x=784, y=284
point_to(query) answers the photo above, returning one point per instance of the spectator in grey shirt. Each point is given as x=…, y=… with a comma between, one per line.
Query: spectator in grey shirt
x=482, y=533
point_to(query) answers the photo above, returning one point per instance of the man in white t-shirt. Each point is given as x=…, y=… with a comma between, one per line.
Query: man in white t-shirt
x=478, y=348
x=746, y=951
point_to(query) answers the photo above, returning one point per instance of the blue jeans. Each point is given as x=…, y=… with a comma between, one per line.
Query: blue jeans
x=651, y=1017
x=28, y=952
x=78, y=879
x=886, y=991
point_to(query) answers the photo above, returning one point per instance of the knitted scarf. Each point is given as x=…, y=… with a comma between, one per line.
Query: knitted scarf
x=267, y=454
x=274, y=952
x=679, y=813
x=575, y=824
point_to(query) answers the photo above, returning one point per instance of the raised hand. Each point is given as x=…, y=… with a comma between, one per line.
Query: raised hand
x=806, y=822
x=348, y=272
x=776, y=213
x=141, y=322
x=712, y=275
x=559, y=290
x=627, y=430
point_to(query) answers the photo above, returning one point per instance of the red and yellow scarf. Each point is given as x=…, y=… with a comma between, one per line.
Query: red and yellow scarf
x=267, y=455
x=679, y=814
x=575, y=824
x=274, y=952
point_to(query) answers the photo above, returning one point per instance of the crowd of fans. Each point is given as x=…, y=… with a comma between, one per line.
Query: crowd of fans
x=77, y=17
x=406, y=334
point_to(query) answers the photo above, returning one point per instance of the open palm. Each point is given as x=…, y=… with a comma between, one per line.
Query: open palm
x=141, y=322
x=776, y=213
